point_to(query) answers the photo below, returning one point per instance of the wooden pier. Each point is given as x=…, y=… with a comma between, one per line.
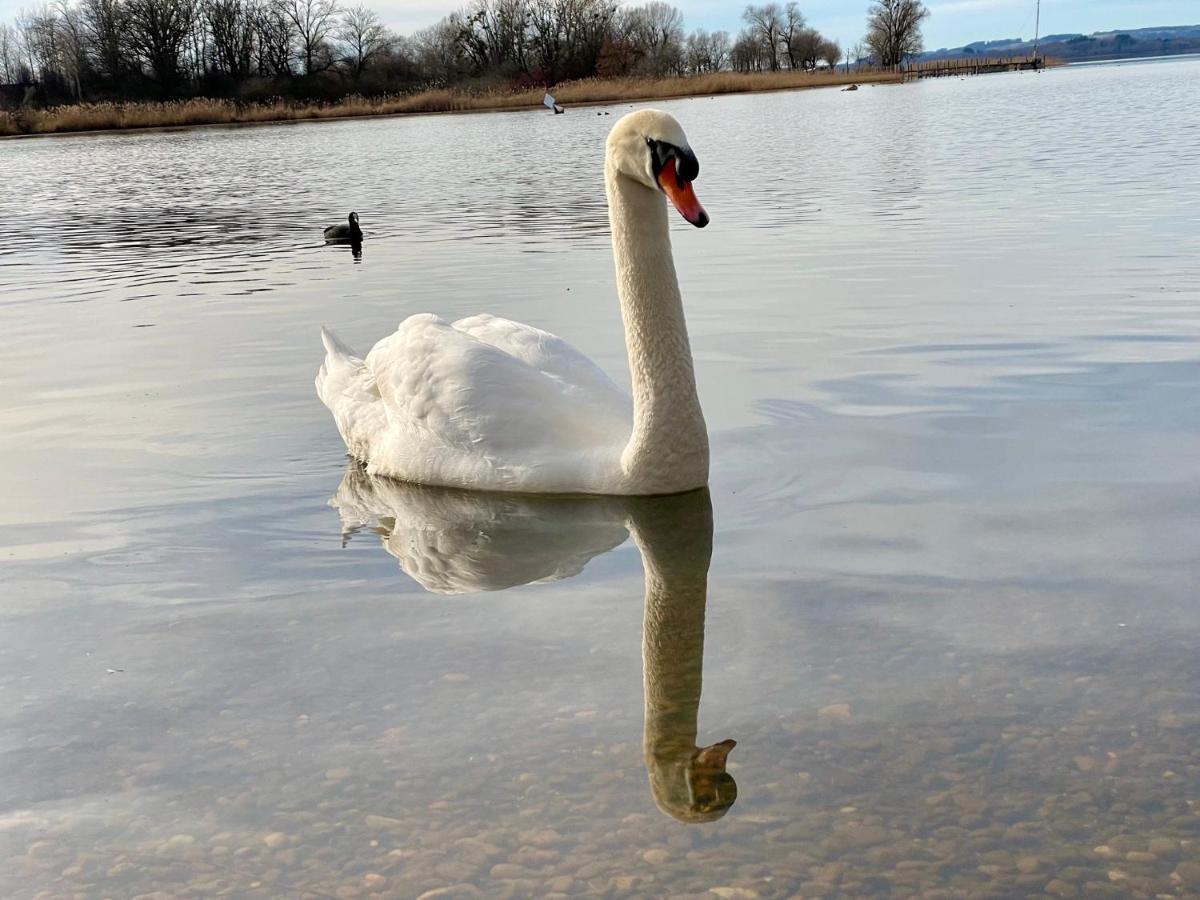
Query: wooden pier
x=971, y=65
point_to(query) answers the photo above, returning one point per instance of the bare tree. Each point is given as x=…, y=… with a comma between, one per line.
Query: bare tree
x=894, y=29
x=231, y=28
x=158, y=32
x=858, y=53
x=363, y=37
x=830, y=51
x=704, y=52
x=313, y=21
x=765, y=24
x=73, y=47
x=655, y=30
x=437, y=52
x=789, y=33
x=10, y=55
x=274, y=36
x=566, y=37
x=107, y=24
x=808, y=48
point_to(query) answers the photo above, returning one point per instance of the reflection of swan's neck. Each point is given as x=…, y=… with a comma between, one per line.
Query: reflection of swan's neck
x=676, y=563
x=668, y=447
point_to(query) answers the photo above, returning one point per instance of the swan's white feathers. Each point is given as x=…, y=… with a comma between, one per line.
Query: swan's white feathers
x=552, y=355
x=492, y=405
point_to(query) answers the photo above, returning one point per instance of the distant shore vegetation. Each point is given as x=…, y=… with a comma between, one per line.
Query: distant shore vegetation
x=102, y=116
x=89, y=64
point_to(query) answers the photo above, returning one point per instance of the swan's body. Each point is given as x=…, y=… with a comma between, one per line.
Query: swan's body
x=488, y=404
x=347, y=231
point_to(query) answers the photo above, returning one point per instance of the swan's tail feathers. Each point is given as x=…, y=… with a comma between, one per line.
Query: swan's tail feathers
x=334, y=346
x=338, y=374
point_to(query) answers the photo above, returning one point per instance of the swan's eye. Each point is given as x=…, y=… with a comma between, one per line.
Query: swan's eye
x=687, y=167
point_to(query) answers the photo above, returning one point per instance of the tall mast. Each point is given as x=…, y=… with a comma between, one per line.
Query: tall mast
x=1037, y=30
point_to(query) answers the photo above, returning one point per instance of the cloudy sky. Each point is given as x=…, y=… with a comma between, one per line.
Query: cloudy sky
x=953, y=23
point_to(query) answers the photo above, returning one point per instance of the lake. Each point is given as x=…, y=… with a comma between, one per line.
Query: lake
x=947, y=338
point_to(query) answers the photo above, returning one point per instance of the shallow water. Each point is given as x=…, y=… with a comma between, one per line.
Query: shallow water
x=948, y=344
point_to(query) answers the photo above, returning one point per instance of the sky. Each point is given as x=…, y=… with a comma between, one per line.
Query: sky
x=952, y=23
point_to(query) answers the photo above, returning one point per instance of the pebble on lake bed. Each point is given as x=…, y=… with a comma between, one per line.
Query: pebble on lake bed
x=835, y=712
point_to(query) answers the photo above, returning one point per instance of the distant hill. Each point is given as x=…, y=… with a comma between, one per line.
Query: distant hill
x=1166, y=40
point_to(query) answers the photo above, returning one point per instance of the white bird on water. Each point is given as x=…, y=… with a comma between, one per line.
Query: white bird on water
x=549, y=102
x=489, y=404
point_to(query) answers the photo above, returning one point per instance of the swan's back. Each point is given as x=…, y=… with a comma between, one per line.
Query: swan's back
x=483, y=403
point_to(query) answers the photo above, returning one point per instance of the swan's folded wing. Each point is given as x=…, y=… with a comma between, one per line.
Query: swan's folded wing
x=551, y=354
x=470, y=395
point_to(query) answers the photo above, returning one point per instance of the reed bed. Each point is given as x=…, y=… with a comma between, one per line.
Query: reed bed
x=203, y=111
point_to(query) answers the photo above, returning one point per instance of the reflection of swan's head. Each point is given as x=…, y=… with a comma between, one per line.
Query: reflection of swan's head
x=649, y=147
x=694, y=788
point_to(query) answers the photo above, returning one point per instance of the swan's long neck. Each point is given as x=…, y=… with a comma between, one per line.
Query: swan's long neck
x=668, y=448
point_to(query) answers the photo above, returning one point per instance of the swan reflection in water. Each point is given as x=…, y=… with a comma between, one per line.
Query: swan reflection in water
x=455, y=542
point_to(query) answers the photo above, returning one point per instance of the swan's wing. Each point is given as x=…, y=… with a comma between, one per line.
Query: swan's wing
x=447, y=388
x=550, y=354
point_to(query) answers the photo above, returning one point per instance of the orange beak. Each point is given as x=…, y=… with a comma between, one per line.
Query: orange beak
x=681, y=194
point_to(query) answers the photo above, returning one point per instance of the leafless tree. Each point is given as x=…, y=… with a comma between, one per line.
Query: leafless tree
x=73, y=46
x=274, y=38
x=791, y=27
x=655, y=30
x=10, y=54
x=230, y=25
x=437, y=52
x=808, y=48
x=830, y=51
x=158, y=32
x=746, y=53
x=363, y=38
x=107, y=24
x=313, y=22
x=894, y=29
x=705, y=52
x=858, y=53
x=765, y=23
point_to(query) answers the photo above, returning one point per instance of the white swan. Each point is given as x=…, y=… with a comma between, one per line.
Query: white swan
x=488, y=404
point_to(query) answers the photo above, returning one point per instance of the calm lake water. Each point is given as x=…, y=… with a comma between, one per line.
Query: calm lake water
x=948, y=344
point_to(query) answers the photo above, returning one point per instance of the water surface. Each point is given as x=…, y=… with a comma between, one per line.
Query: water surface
x=948, y=342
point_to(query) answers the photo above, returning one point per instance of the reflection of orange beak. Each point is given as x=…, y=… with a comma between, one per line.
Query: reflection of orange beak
x=681, y=194
x=714, y=757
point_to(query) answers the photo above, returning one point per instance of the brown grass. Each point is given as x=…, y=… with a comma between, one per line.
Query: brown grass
x=119, y=116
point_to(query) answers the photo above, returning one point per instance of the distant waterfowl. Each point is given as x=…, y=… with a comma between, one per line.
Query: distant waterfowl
x=346, y=232
x=549, y=102
x=489, y=404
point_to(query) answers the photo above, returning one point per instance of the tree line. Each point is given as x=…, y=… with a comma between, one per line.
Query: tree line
x=79, y=50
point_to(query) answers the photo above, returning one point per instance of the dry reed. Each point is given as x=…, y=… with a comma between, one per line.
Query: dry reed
x=119, y=116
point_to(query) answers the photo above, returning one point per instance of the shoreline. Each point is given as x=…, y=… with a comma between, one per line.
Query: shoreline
x=583, y=94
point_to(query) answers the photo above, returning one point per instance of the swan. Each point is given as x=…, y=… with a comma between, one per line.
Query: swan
x=485, y=403
x=455, y=542
x=348, y=232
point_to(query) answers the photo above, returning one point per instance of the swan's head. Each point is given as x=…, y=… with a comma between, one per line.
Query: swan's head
x=648, y=146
